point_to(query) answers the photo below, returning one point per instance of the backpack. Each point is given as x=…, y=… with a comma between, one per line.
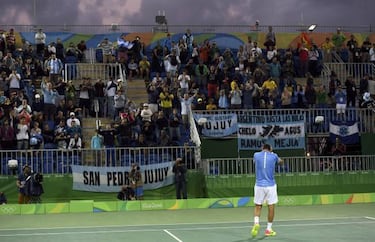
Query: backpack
x=174, y=61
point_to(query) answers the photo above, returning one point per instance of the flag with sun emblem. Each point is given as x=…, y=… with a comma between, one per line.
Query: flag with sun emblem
x=346, y=131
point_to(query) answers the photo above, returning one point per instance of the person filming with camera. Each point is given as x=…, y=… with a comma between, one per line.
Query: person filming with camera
x=179, y=170
x=136, y=181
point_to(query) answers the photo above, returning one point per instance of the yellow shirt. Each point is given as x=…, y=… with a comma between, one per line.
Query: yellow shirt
x=144, y=64
x=270, y=85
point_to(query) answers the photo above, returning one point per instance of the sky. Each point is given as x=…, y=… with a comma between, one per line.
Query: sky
x=185, y=12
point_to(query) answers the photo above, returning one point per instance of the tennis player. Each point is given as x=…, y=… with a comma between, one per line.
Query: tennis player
x=265, y=189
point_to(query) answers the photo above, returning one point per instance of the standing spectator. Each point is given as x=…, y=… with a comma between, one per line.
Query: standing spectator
x=270, y=38
x=186, y=102
x=40, y=41
x=137, y=181
x=338, y=40
x=14, y=80
x=265, y=187
x=313, y=63
x=85, y=93
x=303, y=60
x=22, y=135
x=184, y=80
x=372, y=54
x=72, y=117
x=327, y=48
x=365, y=50
x=166, y=101
x=21, y=181
x=108, y=134
x=7, y=136
x=351, y=45
x=235, y=96
x=351, y=92
x=132, y=69
x=179, y=170
x=321, y=97
x=99, y=95
x=286, y=98
x=54, y=68
x=201, y=74
x=49, y=95
x=111, y=92
x=310, y=96
x=188, y=39
x=119, y=103
x=341, y=100
x=96, y=146
x=61, y=135
x=363, y=85
x=107, y=47
x=11, y=41
x=60, y=51
x=175, y=121
x=81, y=46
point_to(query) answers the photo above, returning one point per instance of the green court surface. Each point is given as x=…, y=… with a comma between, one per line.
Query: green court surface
x=346, y=222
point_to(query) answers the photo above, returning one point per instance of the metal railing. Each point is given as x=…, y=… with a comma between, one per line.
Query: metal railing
x=356, y=70
x=201, y=28
x=308, y=164
x=364, y=117
x=77, y=71
x=58, y=161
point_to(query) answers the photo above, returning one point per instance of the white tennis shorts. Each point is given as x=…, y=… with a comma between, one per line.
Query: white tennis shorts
x=265, y=194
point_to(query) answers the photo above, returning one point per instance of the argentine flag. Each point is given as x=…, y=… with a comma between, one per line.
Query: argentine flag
x=347, y=132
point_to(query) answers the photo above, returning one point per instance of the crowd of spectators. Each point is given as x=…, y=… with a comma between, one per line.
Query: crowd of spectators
x=39, y=109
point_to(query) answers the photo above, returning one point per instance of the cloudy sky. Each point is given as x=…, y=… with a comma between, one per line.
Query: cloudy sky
x=185, y=12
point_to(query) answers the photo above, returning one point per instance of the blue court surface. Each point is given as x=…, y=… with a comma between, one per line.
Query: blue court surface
x=354, y=222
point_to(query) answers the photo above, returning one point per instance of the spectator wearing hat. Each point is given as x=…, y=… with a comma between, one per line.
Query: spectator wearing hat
x=146, y=113
x=38, y=105
x=72, y=117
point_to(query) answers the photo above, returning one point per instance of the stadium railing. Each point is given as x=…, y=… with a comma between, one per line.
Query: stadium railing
x=364, y=117
x=59, y=161
x=306, y=164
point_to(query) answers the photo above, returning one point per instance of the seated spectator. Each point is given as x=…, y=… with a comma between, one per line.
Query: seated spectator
x=126, y=194
x=75, y=142
x=211, y=104
x=144, y=68
x=7, y=135
x=72, y=117
x=133, y=69
x=36, y=138
x=61, y=135
x=74, y=129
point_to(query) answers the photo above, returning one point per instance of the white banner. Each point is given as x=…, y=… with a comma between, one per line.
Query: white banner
x=280, y=131
x=218, y=125
x=110, y=179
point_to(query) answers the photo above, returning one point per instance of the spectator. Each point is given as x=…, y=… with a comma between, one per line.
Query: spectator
x=132, y=69
x=313, y=63
x=81, y=46
x=303, y=54
x=106, y=47
x=161, y=123
x=184, y=80
x=72, y=117
x=49, y=95
x=119, y=103
x=372, y=54
x=223, y=102
x=7, y=135
x=108, y=134
x=211, y=104
x=40, y=41
x=338, y=40
x=3, y=199
x=61, y=135
x=201, y=75
x=186, y=102
x=36, y=138
x=166, y=101
x=321, y=97
x=351, y=44
x=286, y=98
x=327, y=48
x=153, y=97
x=126, y=194
x=124, y=131
x=144, y=68
x=351, y=92
x=23, y=198
x=341, y=100
x=99, y=95
x=111, y=92
x=74, y=129
x=136, y=181
x=14, y=80
x=38, y=105
x=179, y=170
x=174, y=125
x=75, y=142
x=96, y=146
x=270, y=38
x=235, y=96
x=22, y=134
x=54, y=68
x=48, y=134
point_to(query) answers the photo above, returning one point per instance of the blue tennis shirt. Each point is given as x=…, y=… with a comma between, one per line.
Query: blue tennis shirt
x=265, y=163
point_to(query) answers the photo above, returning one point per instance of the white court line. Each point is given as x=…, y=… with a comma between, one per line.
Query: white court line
x=172, y=224
x=179, y=229
x=172, y=235
x=370, y=218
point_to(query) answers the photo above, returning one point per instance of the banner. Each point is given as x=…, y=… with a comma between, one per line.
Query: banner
x=347, y=132
x=110, y=179
x=217, y=125
x=280, y=131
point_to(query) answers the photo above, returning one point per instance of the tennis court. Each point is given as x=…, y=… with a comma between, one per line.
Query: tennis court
x=354, y=222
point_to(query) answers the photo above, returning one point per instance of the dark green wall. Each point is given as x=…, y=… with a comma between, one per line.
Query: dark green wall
x=227, y=148
x=368, y=144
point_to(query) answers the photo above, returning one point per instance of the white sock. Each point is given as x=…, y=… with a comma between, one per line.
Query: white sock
x=269, y=226
x=256, y=219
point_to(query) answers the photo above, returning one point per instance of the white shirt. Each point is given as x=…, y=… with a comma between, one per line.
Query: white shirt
x=23, y=132
x=186, y=105
x=372, y=54
x=14, y=81
x=69, y=122
x=184, y=81
x=40, y=38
